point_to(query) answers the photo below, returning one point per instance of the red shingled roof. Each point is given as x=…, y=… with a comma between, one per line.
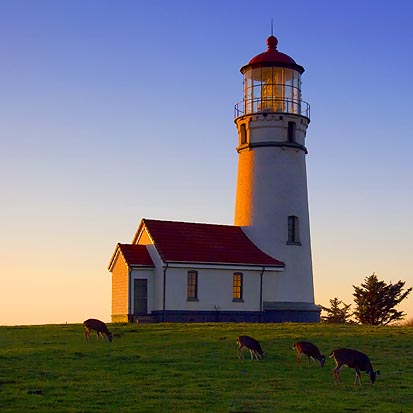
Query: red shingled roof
x=205, y=243
x=133, y=255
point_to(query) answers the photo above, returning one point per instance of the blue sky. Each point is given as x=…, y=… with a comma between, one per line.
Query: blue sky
x=115, y=111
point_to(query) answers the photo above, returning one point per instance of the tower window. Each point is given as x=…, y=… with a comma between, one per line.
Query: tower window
x=293, y=230
x=192, y=286
x=291, y=132
x=237, y=286
x=243, y=133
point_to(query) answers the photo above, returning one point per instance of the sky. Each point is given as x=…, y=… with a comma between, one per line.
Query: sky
x=112, y=111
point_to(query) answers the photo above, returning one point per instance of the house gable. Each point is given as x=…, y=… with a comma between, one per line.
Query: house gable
x=132, y=255
x=143, y=237
x=125, y=257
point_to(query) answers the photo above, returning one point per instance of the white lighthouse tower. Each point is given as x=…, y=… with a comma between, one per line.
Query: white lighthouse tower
x=271, y=198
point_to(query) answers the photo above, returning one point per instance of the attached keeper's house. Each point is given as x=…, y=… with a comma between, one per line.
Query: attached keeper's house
x=258, y=269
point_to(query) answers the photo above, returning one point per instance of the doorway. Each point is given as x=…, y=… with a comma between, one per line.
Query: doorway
x=140, y=296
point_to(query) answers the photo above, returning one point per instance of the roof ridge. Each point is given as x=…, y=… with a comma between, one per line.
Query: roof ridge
x=189, y=222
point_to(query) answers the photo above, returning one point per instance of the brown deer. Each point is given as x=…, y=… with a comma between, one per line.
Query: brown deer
x=310, y=350
x=250, y=344
x=355, y=360
x=97, y=325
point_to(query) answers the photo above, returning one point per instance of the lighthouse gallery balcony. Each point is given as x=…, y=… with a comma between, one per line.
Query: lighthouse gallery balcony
x=270, y=104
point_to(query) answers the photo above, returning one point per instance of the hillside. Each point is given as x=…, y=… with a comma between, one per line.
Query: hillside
x=194, y=368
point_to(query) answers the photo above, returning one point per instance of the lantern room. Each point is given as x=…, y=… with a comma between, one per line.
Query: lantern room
x=272, y=83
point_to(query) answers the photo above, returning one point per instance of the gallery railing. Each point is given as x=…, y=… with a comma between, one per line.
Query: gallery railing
x=265, y=105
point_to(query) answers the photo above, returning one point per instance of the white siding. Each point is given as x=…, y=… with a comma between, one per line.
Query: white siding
x=215, y=289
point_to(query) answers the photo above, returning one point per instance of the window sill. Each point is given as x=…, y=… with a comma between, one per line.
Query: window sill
x=293, y=243
x=237, y=300
x=192, y=299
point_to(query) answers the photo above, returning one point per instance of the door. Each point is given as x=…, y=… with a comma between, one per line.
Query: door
x=140, y=294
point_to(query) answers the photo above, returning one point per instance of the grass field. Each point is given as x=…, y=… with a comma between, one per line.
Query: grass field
x=194, y=368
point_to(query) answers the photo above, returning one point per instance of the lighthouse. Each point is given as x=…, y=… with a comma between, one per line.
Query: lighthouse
x=271, y=195
x=257, y=270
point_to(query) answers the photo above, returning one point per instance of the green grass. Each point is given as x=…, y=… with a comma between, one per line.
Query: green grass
x=194, y=368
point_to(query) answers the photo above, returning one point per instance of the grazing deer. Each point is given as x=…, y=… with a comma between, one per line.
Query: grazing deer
x=310, y=350
x=250, y=344
x=97, y=325
x=355, y=360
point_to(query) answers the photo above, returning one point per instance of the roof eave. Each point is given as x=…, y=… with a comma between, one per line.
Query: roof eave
x=114, y=256
x=139, y=231
x=293, y=66
x=225, y=264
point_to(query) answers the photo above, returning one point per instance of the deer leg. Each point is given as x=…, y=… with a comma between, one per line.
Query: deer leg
x=87, y=334
x=358, y=379
x=240, y=355
x=252, y=354
x=308, y=361
x=336, y=374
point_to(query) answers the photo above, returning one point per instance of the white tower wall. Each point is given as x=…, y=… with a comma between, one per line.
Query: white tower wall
x=272, y=186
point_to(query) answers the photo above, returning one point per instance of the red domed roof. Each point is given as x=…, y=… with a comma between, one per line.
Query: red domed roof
x=272, y=57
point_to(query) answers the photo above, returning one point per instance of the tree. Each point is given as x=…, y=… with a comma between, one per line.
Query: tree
x=376, y=301
x=335, y=314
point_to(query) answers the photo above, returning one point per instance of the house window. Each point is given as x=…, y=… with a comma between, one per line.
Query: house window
x=192, y=286
x=293, y=230
x=237, y=287
x=291, y=132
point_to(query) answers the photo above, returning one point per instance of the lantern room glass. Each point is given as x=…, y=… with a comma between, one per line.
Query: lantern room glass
x=272, y=89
